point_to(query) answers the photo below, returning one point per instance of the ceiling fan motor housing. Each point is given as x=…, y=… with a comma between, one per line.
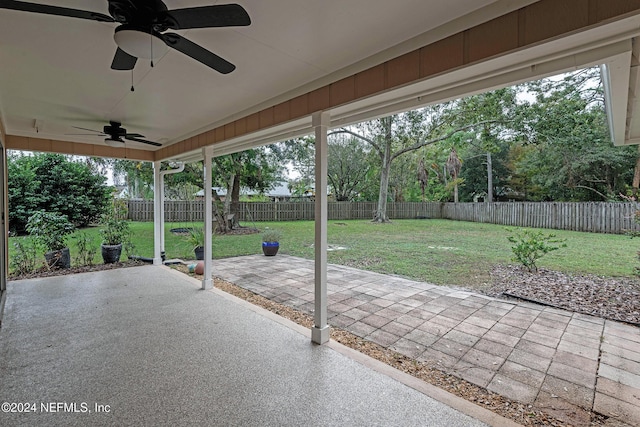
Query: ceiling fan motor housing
x=114, y=130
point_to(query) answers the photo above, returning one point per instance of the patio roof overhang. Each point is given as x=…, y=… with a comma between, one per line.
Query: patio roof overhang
x=451, y=50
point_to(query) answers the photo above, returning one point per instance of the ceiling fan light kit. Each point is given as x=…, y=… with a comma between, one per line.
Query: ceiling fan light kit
x=112, y=142
x=139, y=44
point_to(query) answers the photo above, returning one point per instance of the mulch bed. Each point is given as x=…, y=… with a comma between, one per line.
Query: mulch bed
x=607, y=297
x=50, y=272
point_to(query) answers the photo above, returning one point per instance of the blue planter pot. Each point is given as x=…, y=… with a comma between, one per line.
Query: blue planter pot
x=270, y=248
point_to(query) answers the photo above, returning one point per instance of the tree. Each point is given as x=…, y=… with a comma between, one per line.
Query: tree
x=454, y=165
x=485, y=172
x=256, y=169
x=54, y=183
x=393, y=136
x=573, y=157
x=423, y=177
x=348, y=168
x=136, y=176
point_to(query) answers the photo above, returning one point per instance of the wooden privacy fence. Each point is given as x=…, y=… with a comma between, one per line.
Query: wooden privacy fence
x=596, y=217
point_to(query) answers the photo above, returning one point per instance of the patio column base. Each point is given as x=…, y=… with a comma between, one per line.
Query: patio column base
x=320, y=335
x=207, y=284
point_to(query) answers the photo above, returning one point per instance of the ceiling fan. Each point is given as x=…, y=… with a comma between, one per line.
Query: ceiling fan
x=115, y=133
x=143, y=25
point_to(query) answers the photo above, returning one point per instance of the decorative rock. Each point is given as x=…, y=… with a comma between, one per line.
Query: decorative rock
x=200, y=267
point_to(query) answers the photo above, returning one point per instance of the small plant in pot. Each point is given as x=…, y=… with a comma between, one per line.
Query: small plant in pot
x=115, y=232
x=196, y=238
x=270, y=242
x=50, y=230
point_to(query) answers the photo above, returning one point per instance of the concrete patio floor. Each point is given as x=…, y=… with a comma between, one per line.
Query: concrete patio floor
x=146, y=346
x=560, y=361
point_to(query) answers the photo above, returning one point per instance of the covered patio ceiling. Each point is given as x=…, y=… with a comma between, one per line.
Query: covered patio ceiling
x=354, y=59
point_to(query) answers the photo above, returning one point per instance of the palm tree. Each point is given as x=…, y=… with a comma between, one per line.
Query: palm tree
x=453, y=167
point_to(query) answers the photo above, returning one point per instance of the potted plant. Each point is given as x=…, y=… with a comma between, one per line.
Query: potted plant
x=115, y=231
x=50, y=230
x=270, y=242
x=196, y=238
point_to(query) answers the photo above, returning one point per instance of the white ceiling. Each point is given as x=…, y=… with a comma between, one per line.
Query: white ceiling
x=55, y=71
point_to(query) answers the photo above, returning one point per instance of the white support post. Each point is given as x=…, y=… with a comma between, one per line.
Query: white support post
x=161, y=216
x=180, y=168
x=320, y=330
x=207, y=153
x=158, y=215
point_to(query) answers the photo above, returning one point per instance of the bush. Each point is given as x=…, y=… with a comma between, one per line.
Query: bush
x=54, y=183
x=24, y=260
x=196, y=237
x=50, y=229
x=532, y=245
x=270, y=235
x=87, y=249
x=115, y=228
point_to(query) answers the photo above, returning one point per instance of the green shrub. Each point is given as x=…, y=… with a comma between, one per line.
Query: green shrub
x=24, y=259
x=87, y=249
x=196, y=237
x=531, y=245
x=115, y=227
x=270, y=235
x=50, y=229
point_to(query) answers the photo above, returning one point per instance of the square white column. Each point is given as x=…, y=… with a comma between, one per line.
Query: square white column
x=320, y=330
x=207, y=281
x=158, y=219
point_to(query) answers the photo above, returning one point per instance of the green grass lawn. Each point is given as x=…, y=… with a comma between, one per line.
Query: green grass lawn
x=437, y=251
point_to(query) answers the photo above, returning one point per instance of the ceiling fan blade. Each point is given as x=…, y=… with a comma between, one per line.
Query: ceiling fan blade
x=130, y=137
x=90, y=130
x=123, y=61
x=54, y=10
x=224, y=15
x=198, y=53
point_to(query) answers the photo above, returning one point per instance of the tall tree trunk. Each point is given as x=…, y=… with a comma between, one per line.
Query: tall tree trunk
x=453, y=167
x=381, y=213
x=218, y=215
x=235, y=202
x=489, y=179
x=228, y=197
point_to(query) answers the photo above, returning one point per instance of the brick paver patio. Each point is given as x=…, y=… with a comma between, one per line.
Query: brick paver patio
x=550, y=358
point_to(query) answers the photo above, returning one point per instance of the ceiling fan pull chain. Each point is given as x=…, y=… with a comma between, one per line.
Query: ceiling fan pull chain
x=151, y=39
x=132, y=89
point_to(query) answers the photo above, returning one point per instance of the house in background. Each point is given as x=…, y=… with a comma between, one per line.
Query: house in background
x=279, y=193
